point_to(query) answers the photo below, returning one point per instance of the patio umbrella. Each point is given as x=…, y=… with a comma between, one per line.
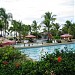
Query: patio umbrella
x=5, y=42
x=66, y=36
x=30, y=36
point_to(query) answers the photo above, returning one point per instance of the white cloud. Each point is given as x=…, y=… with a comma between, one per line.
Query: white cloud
x=29, y=10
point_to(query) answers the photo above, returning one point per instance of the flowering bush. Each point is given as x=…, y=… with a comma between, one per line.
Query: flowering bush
x=61, y=63
x=12, y=62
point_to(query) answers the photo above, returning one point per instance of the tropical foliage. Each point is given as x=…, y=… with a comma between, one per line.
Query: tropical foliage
x=48, y=21
x=4, y=18
x=1, y=26
x=23, y=29
x=12, y=62
x=35, y=28
x=69, y=28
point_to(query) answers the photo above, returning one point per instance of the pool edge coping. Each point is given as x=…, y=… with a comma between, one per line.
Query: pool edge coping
x=44, y=45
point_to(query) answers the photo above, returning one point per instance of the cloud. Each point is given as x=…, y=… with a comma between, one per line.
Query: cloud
x=29, y=10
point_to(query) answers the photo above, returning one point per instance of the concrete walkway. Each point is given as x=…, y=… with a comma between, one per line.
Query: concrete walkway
x=45, y=44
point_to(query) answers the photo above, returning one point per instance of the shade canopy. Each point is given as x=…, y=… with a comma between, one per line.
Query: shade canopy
x=66, y=36
x=5, y=42
x=30, y=36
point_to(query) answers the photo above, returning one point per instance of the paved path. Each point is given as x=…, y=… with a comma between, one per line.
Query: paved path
x=46, y=44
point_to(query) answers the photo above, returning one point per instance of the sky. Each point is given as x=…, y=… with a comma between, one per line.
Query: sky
x=29, y=10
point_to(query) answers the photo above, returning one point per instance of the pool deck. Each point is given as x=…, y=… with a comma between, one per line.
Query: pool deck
x=47, y=44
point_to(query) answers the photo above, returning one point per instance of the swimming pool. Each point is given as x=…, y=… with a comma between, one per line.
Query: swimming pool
x=36, y=53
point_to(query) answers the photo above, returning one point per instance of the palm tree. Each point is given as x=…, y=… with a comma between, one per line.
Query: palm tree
x=1, y=26
x=19, y=30
x=11, y=30
x=25, y=30
x=30, y=29
x=48, y=20
x=14, y=27
x=73, y=30
x=56, y=28
x=35, y=27
x=67, y=27
x=4, y=16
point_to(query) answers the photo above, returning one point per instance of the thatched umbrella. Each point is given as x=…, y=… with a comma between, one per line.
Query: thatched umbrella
x=66, y=36
x=30, y=36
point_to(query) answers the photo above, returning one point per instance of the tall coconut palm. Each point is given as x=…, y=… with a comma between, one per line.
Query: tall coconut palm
x=1, y=26
x=11, y=30
x=56, y=28
x=48, y=20
x=4, y=16
x=25, y=30
x=14, y=27
x=67, y=27
x=35, y=27
x=19, y=29
x=73, y=30
x=29, y=27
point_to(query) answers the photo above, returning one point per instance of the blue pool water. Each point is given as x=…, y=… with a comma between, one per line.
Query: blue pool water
x=36, y=53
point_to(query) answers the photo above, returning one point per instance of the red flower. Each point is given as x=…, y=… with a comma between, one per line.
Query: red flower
x=17, y=65
x=5, y=62
x=59, y=59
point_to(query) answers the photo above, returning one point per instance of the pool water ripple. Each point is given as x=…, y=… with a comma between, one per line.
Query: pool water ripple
x=36, y=53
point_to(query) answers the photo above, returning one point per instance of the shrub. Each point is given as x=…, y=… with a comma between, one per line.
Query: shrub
x=57, y=37
x=12, y=62
x=9, y=53
x=61, y=63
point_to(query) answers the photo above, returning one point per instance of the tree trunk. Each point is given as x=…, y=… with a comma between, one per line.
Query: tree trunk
x=36, y=34
x=48, y=34
x=19, y=37
x=5, y=29
x=10, y=33
x=56, y=32
x=16, y=33
x=1, y=32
